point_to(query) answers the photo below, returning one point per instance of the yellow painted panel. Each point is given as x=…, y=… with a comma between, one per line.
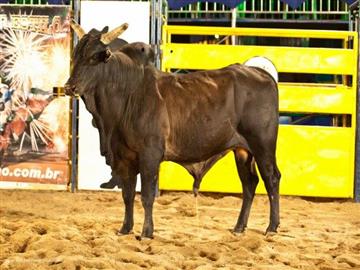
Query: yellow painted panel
x=263, y=32
x=316, y=99
x=314, y=161
x=286, y=59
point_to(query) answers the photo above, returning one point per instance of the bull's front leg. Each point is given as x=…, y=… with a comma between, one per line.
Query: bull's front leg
x=149, y=170
x=128, y=194
x=127, y=173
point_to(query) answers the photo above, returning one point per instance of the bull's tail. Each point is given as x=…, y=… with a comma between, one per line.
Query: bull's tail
x=265, y=64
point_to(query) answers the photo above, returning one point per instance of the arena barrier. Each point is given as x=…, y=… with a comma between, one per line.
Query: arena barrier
x=314, y=160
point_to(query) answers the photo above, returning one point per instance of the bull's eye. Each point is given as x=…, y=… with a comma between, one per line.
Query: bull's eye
x=98, y=57
x=95, y=57
x=103, y=56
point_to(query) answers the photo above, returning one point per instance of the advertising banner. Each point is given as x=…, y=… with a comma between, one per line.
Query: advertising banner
x=34, y=124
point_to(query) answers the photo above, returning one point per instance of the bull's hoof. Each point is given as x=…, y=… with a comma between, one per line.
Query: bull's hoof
x=147, y=236
x=239, y=230
x=108, y=185
x=113, y=182
x=124, y=231
x=270, y=234
x=147, y=233
x=272, y=229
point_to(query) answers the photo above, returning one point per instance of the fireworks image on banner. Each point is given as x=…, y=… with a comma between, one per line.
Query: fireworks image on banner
x=31, y=64
x=23, y=59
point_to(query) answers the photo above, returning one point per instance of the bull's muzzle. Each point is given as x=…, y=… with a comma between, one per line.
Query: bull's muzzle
x=69, y=89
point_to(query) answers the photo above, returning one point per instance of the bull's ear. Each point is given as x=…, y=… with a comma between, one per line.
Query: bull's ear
x=105, y=55
x=108, y=55
x=105, y=30
x=152, y=53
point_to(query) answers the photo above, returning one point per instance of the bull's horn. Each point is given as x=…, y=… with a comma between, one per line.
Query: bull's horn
x=77, y=29
x=108, y=37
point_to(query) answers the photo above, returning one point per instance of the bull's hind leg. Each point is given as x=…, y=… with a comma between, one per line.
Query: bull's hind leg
x=249, y=179
x=272, y=188
x=128, y=194
x=266, y=161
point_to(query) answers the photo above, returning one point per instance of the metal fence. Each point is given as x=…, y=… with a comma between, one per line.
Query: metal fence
x=248, y=10
x=49, y=2
x=265, y=9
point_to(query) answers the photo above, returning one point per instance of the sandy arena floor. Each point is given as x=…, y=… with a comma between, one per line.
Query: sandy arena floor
x=60, y=230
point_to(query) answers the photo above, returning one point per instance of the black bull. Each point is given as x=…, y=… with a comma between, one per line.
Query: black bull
x=149, y=116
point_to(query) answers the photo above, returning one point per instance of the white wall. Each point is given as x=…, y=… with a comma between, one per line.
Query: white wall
x=98, y=14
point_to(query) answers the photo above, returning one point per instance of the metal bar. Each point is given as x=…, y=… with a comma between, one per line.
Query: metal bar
x=286, y=11
x=357, y=136
x=233, y=25
x=166, y=11
x=270, y=12
x=321, y=5
x=351, y=24
x=74, y=116
x=159, y=13
x=201, y=30
x=152, y=23
x=159, y=32
x=164, y=37
x=74, y=145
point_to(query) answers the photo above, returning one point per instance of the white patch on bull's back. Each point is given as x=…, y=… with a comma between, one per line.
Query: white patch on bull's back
x=265, y=64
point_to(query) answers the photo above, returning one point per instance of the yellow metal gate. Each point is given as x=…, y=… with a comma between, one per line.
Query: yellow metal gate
x=313, y=160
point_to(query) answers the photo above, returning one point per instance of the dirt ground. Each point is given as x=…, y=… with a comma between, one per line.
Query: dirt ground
x=61, y=230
